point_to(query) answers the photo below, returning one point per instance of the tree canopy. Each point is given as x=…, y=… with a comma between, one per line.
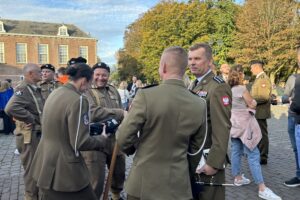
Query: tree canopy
x=258, y=29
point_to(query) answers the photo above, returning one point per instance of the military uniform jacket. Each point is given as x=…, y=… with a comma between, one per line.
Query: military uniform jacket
x=24, y=107
x=261, y=92
x=218, y=98
x=48, y=87
x=57, y=163
x=171, y=120
x=105, y=103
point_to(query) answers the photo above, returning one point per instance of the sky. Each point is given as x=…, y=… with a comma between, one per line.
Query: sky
x=105, y=20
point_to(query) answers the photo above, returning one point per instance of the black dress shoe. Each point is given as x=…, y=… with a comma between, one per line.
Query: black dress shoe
x=264, y=162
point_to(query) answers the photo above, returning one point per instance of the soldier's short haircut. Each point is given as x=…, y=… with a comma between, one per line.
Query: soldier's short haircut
x=257, y=62
x=205, y=46
x=180, y=57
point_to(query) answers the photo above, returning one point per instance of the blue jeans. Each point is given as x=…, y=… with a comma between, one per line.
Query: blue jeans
x=297, y=138
x=291, y=131
x=253, y=157
x=125, y=105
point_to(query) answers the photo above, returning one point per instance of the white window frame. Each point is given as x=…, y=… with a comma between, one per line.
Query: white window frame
x=63, y=59
x=2, y=30
x=2, y=52
x=43, y=55
x=86, y=55
x=23, y=58
x=63, y=31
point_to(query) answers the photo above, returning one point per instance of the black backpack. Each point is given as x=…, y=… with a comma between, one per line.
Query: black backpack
x=295, y=106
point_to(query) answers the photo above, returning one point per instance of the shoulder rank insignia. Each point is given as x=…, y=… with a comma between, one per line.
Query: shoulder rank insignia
x=19, y=93
x=219, y=79
x=150, y=86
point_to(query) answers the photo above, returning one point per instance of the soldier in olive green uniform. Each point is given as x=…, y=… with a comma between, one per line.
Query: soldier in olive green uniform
x=218, y=99
x=26, y=106
x=105, y=103
x=261, y=92
x=48, y=84
x=168, y=128
x=58, y=167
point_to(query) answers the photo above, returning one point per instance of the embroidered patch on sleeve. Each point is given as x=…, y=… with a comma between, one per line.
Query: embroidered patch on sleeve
x=19, y=93
x=86, y=119
x=225, y=100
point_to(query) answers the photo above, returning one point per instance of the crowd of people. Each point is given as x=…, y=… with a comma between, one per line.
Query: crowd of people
x=179, y=144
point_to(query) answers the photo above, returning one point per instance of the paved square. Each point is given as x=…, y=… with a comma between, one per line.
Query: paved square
x=281, y=166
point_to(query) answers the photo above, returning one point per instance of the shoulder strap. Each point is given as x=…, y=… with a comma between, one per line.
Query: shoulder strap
x=35, y=101
x=96, y=96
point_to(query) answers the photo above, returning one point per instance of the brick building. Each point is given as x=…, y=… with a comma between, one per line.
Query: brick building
x=37, y=42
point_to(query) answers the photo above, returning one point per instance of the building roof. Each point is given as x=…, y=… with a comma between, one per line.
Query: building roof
x=40, y=28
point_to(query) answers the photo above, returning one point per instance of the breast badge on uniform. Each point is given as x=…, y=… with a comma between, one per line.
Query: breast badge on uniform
x=225, y=100
x=202, y=93
x=19, y=93
x=86, y=119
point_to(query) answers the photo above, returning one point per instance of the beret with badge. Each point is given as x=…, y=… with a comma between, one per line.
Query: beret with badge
x=101, y=65
x=73, y=61
x=48, y=66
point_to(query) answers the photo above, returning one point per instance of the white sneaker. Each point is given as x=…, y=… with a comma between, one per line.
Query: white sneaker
x=16, y=152
x=268, y=195
x=243, y=181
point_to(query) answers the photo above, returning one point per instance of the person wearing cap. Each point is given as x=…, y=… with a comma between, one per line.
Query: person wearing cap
x=261, y=92
x=48, y=84
x=26, y=106
x=105, y=102
x=73, y=61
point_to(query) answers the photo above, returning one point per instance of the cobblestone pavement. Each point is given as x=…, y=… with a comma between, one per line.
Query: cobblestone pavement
x=281, y=166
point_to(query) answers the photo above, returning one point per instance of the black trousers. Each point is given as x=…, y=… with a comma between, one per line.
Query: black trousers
x=8, y=123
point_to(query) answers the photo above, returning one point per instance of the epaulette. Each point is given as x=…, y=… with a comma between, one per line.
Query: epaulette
x=149, y=86
x=219, y=79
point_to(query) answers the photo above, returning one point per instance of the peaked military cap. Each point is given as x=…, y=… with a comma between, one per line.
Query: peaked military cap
x=101, y=65
x=73, y=61
x=48, y=66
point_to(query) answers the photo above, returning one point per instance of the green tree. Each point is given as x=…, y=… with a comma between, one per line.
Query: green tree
x=267, y=30
x=127, y=66
x=171, y=23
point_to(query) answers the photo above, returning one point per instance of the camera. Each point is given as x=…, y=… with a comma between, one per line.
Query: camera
x=111, y=126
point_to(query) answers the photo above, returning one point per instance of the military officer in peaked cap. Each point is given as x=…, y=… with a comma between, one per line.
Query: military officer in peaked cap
x=48, y=84
x=218, y=100
x=261, y=91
